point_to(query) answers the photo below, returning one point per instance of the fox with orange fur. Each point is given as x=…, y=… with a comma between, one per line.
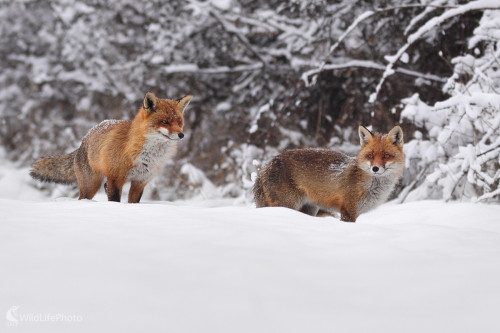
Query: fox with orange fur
x=310, y=180
x=120, y=150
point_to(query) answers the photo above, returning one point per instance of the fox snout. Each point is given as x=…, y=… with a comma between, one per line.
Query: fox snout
x=378, y=169
x=374, y=168
x=378, y=166
x=176, y=136
x=171, y=135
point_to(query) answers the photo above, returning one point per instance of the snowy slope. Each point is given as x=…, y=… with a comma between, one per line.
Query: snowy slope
x=179, y=267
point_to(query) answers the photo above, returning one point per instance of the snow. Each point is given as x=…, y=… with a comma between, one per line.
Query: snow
x=479, y=99
x=181, y=68
x=338, y=168
x=424, y=29
x=221, y=265
x=471, y=6
x=354, y=24
x=459, y=156
x=405, y=58
x=102, y=127
x=191, y=68
x=434, y=5
x=425, y=266
x=221, y=4
x=197, y=180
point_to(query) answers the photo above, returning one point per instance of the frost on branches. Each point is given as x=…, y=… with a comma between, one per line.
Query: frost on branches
x=457, y=154
x=265, y=76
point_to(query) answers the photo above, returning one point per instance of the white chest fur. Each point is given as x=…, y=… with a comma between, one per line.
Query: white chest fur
x=155, y=152
x=378, y=190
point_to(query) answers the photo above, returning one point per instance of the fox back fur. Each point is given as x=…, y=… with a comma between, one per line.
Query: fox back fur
x=310, y=180
x=120, y=150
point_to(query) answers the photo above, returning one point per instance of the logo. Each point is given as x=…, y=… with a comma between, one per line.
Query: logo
x=14, y=318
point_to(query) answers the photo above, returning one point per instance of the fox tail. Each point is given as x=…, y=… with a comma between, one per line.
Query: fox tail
x=55, y=169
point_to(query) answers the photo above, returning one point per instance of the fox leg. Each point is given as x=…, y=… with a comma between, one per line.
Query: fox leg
x=280, y=194
x=310, y=209
x=291, y=201
x=324, y=213
x=135, y=193
x=90, y=186
x=274, y=187
x=348, y=214
x=273, y=197
x=114, y=189
x=88, y=180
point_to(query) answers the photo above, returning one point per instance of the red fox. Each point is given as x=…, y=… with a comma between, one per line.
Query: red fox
x=308, y=180
x=120, y=150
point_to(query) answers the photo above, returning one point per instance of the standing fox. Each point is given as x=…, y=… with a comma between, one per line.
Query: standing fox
x=312, y=179
x=120, y=150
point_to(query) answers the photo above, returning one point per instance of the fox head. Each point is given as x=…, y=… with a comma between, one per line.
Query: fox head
x=381, y=154
x=165, y=116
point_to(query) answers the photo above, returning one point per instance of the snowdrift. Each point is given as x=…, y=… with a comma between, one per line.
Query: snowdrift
x=90, y=266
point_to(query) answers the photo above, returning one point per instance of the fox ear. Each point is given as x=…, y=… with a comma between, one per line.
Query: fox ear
x=396, y=136
x=150, y=102
x=364, y=135
x=184, y=102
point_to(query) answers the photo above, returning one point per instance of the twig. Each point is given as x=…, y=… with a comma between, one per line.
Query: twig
x=298, y=86
x=488, y=151
x=464, y=173
x=232, y=29
x=318, y=121
x=410, y=188
x=354, y=24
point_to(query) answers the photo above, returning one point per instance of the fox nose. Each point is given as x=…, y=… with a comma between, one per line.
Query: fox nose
x=375, y=169
x=181, y=135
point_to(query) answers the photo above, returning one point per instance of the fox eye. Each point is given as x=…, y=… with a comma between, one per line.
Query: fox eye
x=370, y=156
x=165, y=122
x=386, y=156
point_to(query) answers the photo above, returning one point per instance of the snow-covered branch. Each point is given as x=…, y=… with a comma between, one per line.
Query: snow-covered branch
x=428, y=26
x=369, y=65
x=464, y=130
x=354, y=24
x=193, y=68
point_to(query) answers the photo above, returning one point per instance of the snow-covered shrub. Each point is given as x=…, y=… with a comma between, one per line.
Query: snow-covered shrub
x=459, y=155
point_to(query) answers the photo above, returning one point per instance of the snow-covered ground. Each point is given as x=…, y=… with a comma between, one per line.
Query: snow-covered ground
x=210, y=266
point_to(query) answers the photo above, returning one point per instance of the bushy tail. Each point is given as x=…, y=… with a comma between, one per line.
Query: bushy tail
x=56, y=169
